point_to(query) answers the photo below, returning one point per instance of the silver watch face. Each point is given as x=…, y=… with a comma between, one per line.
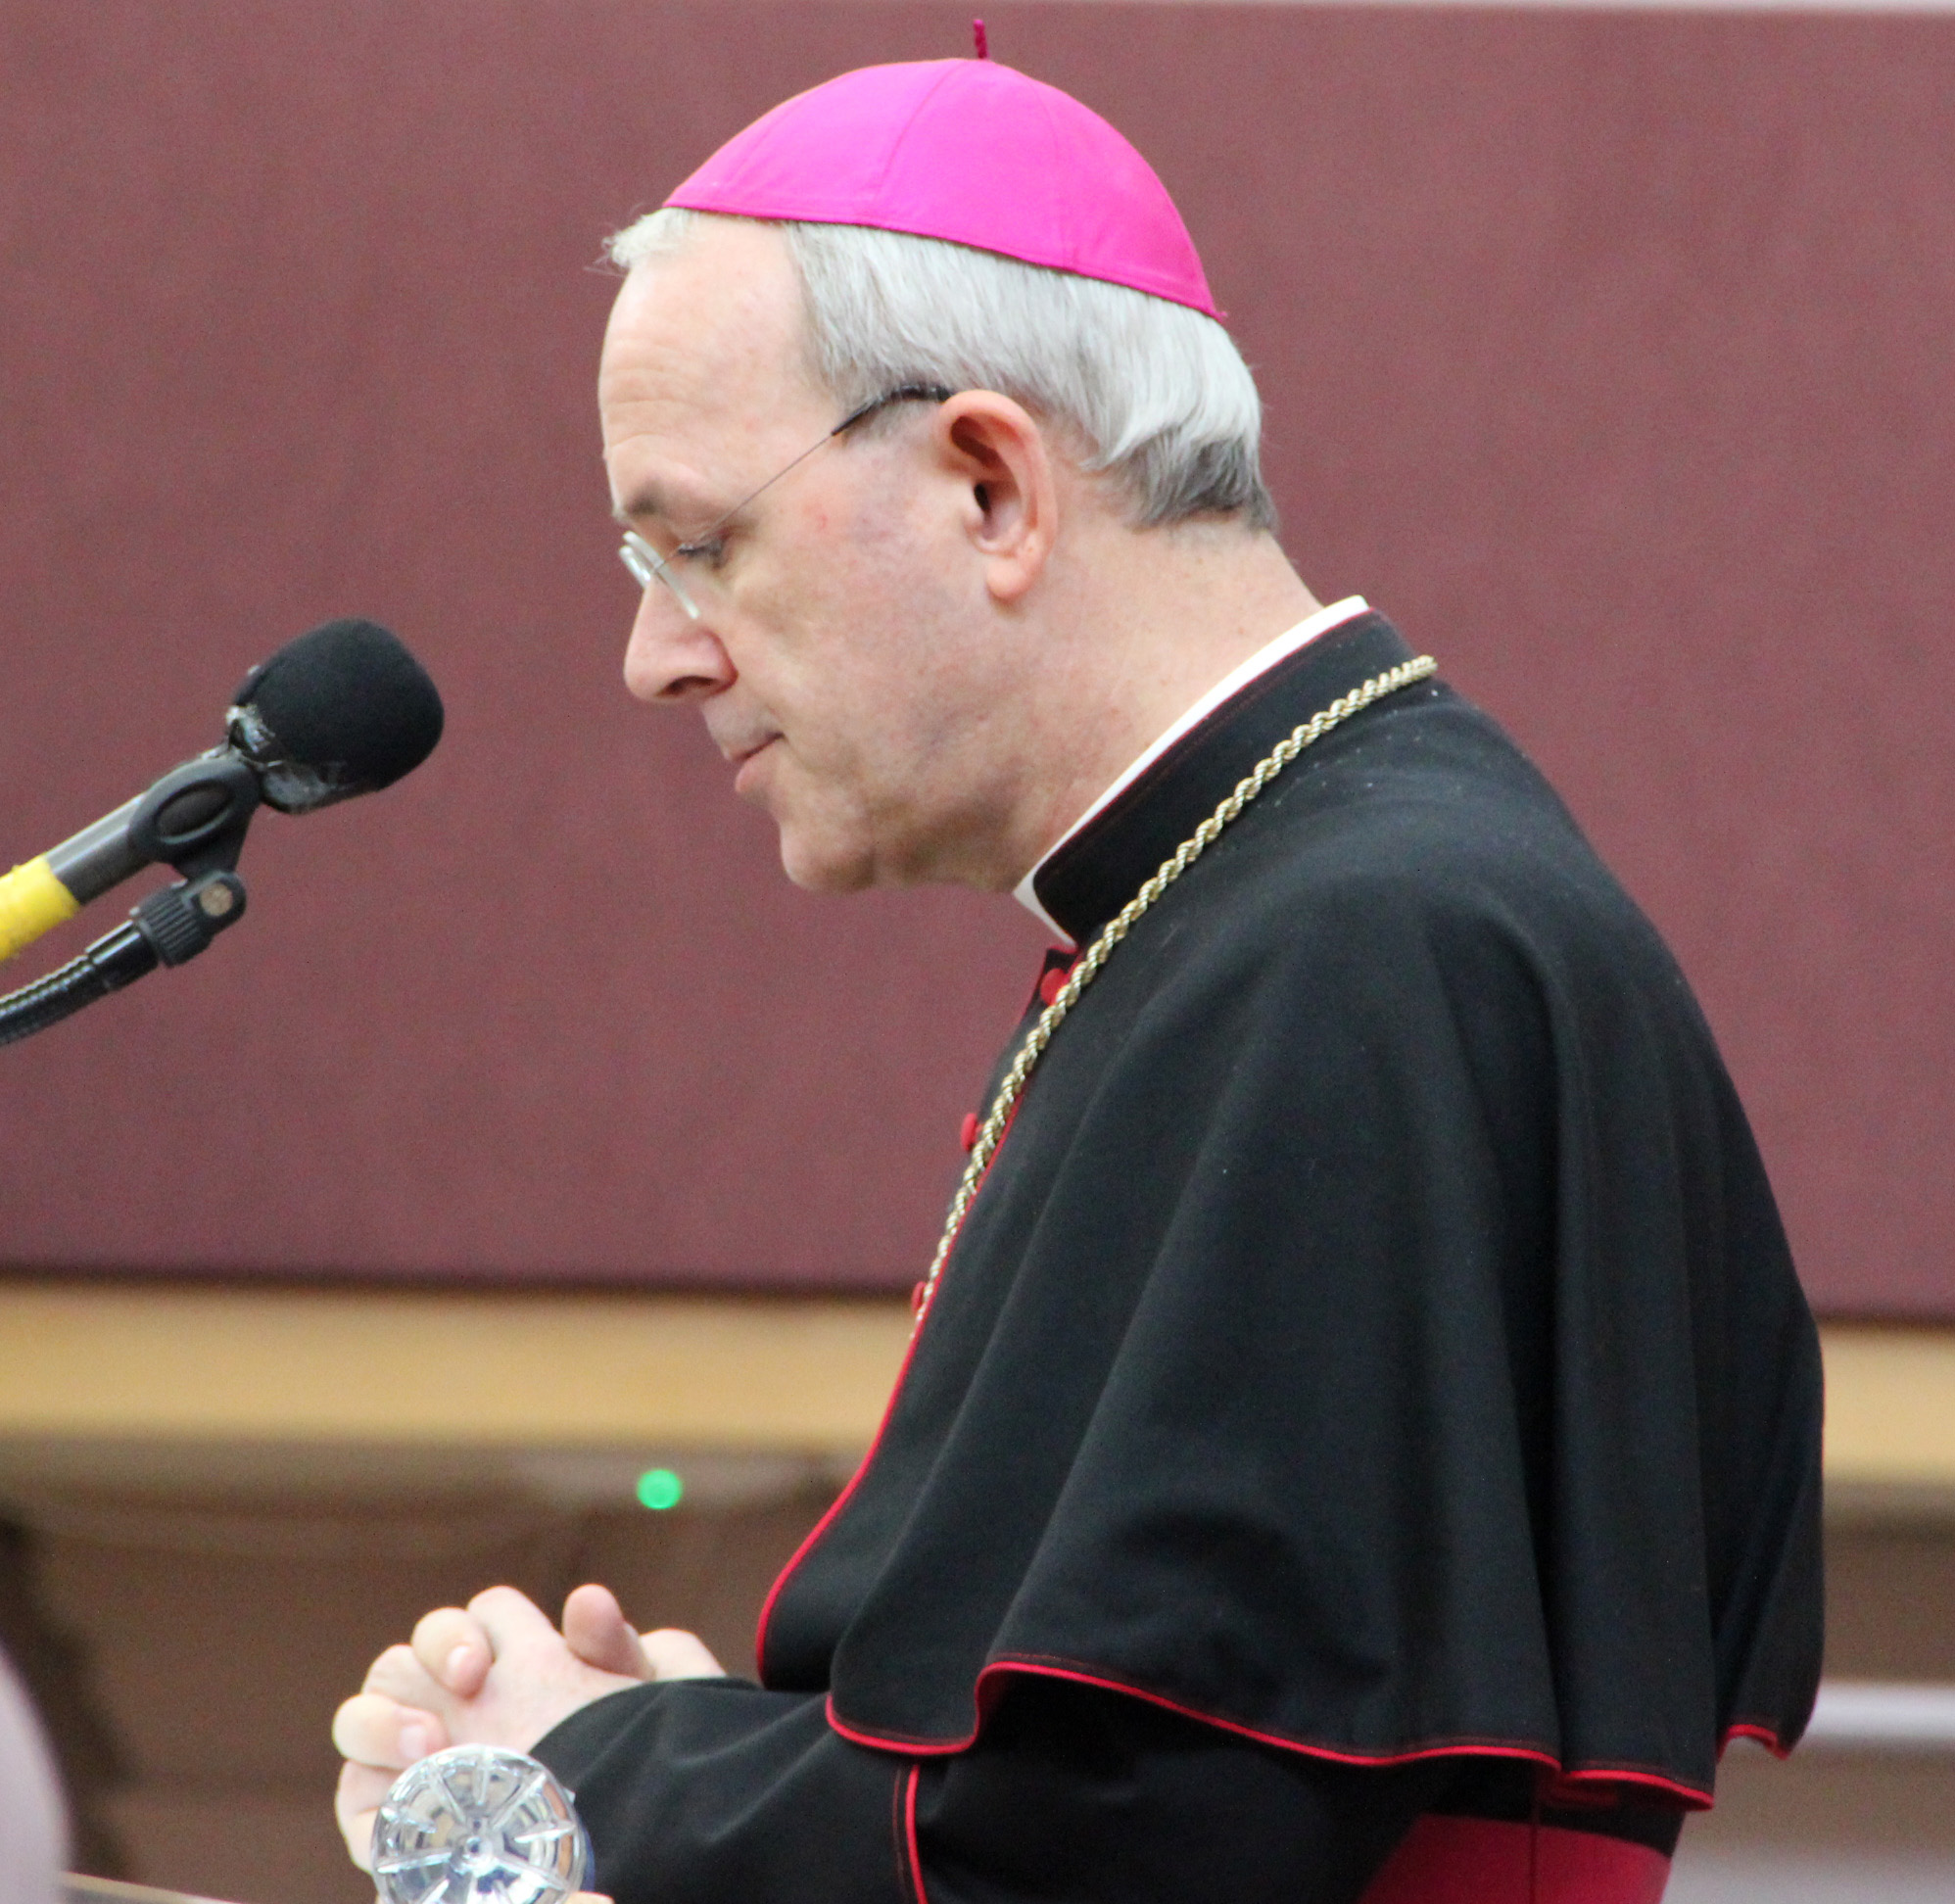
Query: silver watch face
x=477, y=1825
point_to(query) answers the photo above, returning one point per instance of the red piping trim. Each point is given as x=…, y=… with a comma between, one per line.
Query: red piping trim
x=841, y=1502
x=1764, y=1735
x=1690, y=1796
x=910, y=1833
x=855, y=1479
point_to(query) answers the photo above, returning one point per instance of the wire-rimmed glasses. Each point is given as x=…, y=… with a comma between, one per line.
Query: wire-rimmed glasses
x=648, y=565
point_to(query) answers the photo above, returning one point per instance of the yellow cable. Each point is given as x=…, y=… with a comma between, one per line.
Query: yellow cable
x=32, y=901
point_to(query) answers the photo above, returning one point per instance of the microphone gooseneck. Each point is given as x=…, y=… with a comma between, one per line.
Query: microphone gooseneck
x=171, y=927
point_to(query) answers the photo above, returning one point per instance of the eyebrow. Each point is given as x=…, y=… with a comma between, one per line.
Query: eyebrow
x=646, y=500
x=653, y=500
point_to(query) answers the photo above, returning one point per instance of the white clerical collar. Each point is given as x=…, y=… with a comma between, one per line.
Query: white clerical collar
x=1258, y=663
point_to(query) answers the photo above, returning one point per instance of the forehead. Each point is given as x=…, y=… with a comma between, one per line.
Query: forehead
x=704, y=350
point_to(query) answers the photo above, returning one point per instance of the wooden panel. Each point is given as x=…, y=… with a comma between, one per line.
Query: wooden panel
x=213, y=1367
x=457, y=1370
x=1890, y=1411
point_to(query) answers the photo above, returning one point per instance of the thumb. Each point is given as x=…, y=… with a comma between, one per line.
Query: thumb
x=598, y=1634
x=673, y=1655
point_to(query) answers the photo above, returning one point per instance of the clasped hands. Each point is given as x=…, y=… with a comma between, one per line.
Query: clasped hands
x=493, y=1673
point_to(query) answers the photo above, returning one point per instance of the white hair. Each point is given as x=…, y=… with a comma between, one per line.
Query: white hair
x=1153, y=393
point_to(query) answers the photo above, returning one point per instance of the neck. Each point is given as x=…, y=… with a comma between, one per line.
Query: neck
x=1123, y=660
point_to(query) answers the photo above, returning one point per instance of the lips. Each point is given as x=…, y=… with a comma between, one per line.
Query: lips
x=743, y=761
x=738, y=745
x=740, y=733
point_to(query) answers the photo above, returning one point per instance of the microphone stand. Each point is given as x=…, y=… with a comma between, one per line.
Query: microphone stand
x=194, y=820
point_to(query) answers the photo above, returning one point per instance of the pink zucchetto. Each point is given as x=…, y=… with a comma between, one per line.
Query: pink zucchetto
x=965, y=150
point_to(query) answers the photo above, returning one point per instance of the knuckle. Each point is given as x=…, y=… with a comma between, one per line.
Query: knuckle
x=388, y=1668
x=495, y=1600
x=431, y=1629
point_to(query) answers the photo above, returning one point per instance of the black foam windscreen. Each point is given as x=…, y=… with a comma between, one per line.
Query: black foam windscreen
x=347, y=703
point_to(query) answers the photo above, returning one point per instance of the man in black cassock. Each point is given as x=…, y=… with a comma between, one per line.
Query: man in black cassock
x=1361, y=1434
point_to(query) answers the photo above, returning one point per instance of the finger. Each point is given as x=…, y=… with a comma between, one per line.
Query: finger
x=454, y=1649
x=399, y=1675
x=597, y=1631
x=513, y=1620
x=675, y=1655
x=356, y=1809
x=501, y=1608
x=387, y=1669
x=373, y=1729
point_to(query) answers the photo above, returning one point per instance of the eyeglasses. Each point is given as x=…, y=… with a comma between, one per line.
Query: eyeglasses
x=648, y=565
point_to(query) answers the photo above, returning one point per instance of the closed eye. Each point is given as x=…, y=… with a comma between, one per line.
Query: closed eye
x=710, y=548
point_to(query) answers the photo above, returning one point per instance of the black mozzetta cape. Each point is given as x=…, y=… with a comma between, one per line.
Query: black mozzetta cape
x=1374, y=1340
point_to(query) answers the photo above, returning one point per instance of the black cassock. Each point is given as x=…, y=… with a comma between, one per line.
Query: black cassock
x=1370, y=1382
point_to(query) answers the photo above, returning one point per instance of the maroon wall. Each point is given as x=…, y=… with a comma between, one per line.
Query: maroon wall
x=1609, y=353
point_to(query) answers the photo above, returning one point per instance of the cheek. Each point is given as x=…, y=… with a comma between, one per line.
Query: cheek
x=868, y=623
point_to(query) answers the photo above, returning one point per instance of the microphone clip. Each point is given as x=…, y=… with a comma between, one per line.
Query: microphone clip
x=196, y=816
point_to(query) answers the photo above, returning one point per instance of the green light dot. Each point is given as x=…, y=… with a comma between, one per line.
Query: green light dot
x=659, y=1489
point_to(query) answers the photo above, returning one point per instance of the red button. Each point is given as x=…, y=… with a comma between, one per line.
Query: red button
x=967, y=1136
x=1053, y=984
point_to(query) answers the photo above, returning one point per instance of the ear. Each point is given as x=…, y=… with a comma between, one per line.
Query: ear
x=1004, y=459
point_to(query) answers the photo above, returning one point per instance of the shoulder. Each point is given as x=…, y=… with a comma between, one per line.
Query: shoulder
x=1430, y=817
x=1417, y=869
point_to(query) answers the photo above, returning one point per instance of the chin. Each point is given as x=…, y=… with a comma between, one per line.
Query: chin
x=826, y=866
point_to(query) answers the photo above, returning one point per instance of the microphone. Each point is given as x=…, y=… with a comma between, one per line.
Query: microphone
x=342, y=710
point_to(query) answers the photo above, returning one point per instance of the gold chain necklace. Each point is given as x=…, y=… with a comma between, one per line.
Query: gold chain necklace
x=1116, y=929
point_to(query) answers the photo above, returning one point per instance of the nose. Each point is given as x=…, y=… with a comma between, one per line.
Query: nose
x=671, y=658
